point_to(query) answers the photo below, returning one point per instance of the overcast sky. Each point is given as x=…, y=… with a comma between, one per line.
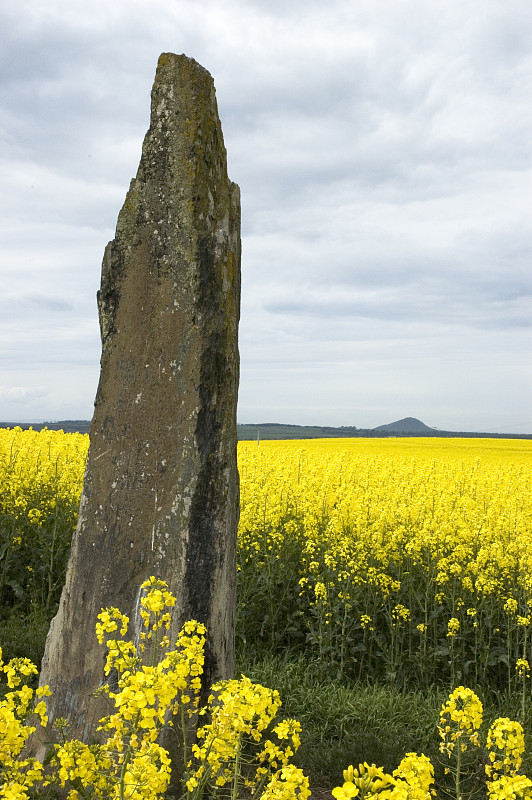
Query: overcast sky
x=383, y=151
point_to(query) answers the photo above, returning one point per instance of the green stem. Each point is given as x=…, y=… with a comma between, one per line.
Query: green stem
x=342, y=642
x=236, y=776
x=6, y=562
x=80, y=789
x=199, y=790
x=475, y=620
x=458, y=768
x=123, y=773
x=154, y=658
x=127, y=758
x=451, y=648
x=3, y=572
x=183, y=735
x=361, y=661
x=523, y=693
x=508, y=655
x=51, y=562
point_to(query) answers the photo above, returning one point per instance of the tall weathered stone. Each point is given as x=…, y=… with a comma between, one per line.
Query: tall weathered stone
x=160, y=495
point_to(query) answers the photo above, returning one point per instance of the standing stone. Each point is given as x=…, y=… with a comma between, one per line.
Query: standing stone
x=160, y=494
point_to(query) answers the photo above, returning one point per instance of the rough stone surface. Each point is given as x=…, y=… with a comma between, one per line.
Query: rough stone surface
x=160, y=495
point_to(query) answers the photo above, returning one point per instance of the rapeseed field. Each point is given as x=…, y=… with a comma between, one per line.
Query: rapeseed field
x=41, y=477
x=399, y=563
x=406, y=560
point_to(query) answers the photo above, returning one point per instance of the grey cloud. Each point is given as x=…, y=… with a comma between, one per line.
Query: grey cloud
x=22, y=393
x=14, y=304
x=382, y=156
x=31, y=347
x=409, y=306
x=38, y=193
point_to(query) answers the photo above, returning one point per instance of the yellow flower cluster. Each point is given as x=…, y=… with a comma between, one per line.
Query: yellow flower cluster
x=460, y=720
x=287, y=784
x=400, y=614
x=155, y=603
x=149, y=696
x=453, y=627
x=82, y=765
x=363, y=781
x=130, y=764
x=412, y=780
x=506, y=745
x=21, y=712
x=511, y=605
x=108, y=621
x=522, y=665
x=278, y=754
x=513, y=787
x=240, y=713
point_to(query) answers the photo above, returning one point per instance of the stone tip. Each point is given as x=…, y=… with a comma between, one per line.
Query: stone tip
x=179, y=61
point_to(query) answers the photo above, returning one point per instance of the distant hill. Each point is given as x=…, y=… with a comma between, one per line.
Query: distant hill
x=406, y=425
x=409, y=426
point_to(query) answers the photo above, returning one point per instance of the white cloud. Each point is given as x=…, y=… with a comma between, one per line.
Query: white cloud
x=22, y=394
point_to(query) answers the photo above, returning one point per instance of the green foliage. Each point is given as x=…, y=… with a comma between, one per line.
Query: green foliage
x=34, y=556
x=270, y=615
x=24, y=633
x=349, y=723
